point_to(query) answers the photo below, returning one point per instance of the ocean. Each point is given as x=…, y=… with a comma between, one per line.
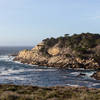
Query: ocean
x=12, y=72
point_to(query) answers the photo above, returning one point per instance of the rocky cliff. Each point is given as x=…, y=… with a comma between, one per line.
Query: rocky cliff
x=76, y=51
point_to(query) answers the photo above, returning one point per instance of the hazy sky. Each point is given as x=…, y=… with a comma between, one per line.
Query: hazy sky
x=27, y=22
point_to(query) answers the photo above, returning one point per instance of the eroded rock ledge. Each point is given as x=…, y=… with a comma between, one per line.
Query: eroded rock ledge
x=76, y=51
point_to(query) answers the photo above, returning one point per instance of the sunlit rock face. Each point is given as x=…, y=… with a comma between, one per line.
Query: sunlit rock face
x=54, y=51
x=38, y=47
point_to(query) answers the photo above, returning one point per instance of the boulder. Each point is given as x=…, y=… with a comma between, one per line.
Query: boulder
x=96, y=75
x=54, y=51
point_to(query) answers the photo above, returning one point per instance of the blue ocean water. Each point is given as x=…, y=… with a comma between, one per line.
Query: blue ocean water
x=22, y=74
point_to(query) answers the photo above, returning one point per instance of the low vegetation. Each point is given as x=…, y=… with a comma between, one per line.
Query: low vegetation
x=13, y=92
x=83, y=40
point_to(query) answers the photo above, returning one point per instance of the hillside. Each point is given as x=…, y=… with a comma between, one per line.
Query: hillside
x=76, y=51
x=13, y=92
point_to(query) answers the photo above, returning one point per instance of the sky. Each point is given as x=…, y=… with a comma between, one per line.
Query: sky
x=28, y=22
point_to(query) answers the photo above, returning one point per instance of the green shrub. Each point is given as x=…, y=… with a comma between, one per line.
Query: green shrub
x=68, y=55
x=81, y=50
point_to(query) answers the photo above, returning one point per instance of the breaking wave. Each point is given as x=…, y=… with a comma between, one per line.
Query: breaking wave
x=6, y=58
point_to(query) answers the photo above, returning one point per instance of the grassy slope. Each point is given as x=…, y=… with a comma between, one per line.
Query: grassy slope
x=12, y=92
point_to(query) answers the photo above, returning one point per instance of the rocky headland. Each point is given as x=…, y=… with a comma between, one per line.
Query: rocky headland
x=76, y=51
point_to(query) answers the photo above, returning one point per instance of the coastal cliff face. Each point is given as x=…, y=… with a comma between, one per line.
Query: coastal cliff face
x=76, y=51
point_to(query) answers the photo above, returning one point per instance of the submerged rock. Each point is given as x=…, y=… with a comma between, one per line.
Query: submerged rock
x=81, y=74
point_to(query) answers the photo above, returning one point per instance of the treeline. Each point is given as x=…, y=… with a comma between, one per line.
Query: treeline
x=83, y=40
x=83, y=44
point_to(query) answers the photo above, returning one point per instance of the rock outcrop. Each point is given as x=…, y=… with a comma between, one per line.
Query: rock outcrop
x=96, y=75
x=76, y=51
